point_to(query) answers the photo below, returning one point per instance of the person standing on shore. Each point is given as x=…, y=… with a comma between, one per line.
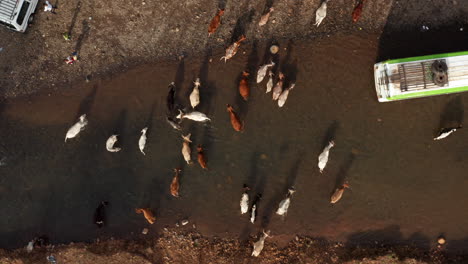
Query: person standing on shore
x=48, y=7
x=72, y=59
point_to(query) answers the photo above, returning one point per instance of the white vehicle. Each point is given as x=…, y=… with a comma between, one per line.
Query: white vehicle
x=17, y=14
x=421, y=76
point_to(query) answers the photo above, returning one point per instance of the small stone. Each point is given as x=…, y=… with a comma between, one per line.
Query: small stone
x=177, y=29
x=143, y=3
x=144, y=231
x=90, y=18
x=184, y=222
x=30, y=246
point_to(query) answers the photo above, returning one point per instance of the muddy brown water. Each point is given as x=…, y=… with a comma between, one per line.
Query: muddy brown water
x=405, y=187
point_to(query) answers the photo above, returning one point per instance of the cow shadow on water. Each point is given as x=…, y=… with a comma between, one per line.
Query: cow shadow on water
x=202, y=132
x=257, y=184
x=251, y=181
x=289, y=65
x=330, y=135
x=269, y=57
x=242, y=106
x=343, y=172
x=87, y=103
x=271, y=207
x=208, y=93
x=119, y=127
x=179, y=79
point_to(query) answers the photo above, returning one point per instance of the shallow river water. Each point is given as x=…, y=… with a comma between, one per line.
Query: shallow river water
x=405, y=187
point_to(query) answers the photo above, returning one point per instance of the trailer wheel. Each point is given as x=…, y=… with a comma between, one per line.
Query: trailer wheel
x=440, y=79
x=31, y=19
x=439, y=66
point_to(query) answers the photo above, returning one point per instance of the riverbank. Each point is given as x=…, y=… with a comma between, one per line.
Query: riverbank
x=189, y=246
x=113, y=37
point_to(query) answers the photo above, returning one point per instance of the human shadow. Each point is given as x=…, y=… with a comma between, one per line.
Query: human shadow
x=241, y=25
x=453, y=114
x=75, y=16
x=271, y=207
x=87, y=103
x=83, y=36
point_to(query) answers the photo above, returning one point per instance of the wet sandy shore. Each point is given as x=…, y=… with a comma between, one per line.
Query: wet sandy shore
x=119, y=35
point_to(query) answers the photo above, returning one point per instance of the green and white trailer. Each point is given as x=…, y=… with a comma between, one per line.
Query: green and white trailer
x=421, y=76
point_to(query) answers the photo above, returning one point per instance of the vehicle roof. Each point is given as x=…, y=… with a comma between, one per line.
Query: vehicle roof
x=7, y=9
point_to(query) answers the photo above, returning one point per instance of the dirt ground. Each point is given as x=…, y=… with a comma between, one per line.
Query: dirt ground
x=111, y=36
x=191, y=247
